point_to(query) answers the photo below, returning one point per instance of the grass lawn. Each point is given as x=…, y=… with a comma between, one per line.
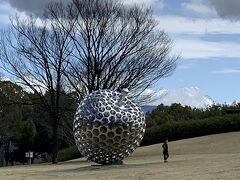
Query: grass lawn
x=209, y=157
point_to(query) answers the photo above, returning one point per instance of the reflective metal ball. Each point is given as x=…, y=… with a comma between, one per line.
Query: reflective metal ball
x=108, y=126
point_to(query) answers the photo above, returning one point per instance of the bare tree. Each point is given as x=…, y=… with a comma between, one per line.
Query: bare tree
x=115, y=47
x=36, y=52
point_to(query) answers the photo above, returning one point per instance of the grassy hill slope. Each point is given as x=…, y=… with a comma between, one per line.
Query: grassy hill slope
x=207, y=157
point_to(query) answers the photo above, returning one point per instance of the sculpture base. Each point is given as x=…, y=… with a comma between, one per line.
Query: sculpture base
x=115, y=163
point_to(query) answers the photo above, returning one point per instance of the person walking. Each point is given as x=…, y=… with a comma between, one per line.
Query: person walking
x=165, y=150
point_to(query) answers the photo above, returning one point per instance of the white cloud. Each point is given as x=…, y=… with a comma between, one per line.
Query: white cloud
x=199, y=8
x=184, y=25
x=177, y=26
x=148, y=3
x=227, y=71
x=195, y=48
x=186, y=34
x=5, y=11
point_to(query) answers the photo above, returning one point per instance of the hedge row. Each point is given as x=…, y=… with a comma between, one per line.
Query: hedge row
x=175, y=130
x=67, y=154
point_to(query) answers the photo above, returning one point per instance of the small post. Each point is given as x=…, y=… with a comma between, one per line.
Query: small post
x=29, y=162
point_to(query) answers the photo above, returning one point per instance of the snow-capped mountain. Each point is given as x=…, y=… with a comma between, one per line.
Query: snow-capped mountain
x=191, y=96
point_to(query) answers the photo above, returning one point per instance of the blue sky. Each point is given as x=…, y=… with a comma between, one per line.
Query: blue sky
x=209, y=43
x=205, y=32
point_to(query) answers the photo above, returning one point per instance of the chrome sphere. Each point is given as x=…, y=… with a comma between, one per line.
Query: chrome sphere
x=108, y=126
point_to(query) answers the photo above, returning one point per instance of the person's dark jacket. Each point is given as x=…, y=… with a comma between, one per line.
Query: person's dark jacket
x=165, y=148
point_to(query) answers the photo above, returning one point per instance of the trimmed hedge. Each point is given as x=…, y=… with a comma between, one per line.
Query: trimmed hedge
x=175, y=130
x=67, y=154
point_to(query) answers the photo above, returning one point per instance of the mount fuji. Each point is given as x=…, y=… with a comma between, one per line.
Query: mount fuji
x=188, y=96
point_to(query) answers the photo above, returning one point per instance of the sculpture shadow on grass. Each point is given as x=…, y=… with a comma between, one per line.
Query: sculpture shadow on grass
x=98, y=167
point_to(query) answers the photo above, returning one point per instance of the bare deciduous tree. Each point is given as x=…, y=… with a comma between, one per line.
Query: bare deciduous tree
x=116, y=47
x=36, y=52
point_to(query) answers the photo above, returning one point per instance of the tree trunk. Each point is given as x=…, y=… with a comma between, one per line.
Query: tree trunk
x=55, y=140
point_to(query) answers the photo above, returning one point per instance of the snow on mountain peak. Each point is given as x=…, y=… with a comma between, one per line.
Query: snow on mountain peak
x=190, y=96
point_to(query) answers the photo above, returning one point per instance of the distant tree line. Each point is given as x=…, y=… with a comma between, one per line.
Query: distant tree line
x=178, y=122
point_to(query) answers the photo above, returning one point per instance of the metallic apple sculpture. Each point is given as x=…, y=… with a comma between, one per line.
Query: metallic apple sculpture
x=108, y=126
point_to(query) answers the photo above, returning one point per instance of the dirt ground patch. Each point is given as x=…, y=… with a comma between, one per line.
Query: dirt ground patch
x=203, y=158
